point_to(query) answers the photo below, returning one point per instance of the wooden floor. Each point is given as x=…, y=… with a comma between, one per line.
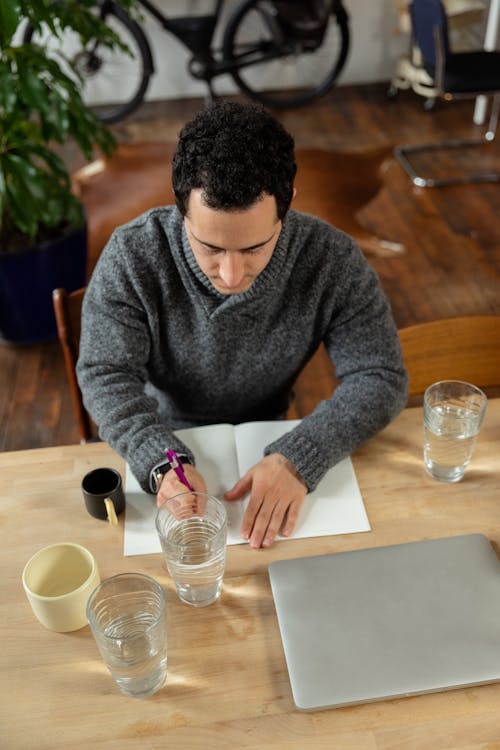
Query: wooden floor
x=451, y=263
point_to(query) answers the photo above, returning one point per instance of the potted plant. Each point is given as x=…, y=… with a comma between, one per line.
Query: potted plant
x=42, y=222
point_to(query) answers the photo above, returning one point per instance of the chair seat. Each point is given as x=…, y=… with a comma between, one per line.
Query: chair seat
x=471, y=72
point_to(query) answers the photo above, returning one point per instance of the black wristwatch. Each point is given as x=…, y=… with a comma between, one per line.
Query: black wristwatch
x=158, y=471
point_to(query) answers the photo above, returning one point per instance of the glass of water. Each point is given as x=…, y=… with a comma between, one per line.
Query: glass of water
x=453, y=413
x=127, y=615
x=192, y=528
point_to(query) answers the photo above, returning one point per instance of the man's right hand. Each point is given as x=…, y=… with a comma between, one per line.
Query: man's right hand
x=171, y=484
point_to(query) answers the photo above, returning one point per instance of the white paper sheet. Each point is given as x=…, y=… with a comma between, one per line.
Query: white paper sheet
x=223, y=454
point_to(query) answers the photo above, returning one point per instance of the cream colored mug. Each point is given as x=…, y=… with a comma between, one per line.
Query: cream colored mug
x=58, y=581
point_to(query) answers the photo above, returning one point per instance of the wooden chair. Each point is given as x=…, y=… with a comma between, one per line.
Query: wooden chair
x=68, y=312
x=463, y=348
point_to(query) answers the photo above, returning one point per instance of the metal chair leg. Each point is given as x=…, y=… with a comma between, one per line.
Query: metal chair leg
x=403, y=154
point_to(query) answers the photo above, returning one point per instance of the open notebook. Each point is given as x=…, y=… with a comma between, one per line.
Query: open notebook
x=223, y=454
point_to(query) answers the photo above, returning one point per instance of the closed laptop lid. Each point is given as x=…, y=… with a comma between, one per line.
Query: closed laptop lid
x=389, y=621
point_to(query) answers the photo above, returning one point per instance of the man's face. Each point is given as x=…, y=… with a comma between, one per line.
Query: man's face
x=232, y=247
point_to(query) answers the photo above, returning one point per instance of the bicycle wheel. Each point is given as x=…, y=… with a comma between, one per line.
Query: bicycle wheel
x=266, y=57
x=114, y=81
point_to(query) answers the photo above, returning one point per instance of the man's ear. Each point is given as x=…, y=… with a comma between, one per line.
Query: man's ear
x=294, y=192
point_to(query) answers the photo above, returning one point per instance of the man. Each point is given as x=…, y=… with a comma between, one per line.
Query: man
x=207, y=311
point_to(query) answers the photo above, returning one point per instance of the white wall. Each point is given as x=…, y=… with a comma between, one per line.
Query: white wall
x=375, y=47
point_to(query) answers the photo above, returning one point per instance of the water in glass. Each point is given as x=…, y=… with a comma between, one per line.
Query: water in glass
x=127, y=615
x=449, y=438
x=134, y=646
x=198, y=568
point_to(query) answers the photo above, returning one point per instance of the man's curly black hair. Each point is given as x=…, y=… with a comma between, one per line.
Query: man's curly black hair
x=235, y=153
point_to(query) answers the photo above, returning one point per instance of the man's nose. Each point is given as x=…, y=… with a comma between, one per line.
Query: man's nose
x=231, y=269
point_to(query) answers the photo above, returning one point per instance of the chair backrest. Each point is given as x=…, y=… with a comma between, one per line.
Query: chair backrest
x=428, y=17
x=463, y=348
x=68, y=312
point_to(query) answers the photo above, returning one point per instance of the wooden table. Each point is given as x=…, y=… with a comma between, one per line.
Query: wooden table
x=227, y=684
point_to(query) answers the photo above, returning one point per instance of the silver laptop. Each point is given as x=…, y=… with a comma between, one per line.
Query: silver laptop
x=389, y=622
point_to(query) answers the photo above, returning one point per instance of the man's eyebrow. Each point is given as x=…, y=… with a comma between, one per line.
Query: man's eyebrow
x=240, y=249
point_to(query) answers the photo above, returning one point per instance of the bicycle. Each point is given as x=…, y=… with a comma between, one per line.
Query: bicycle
x=261, y=40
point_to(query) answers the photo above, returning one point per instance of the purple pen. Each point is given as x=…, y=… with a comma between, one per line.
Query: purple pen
x=176, y=464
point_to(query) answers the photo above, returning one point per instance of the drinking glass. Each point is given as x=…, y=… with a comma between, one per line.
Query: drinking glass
x=127, y=615
x=453, y=413
x=192, y=528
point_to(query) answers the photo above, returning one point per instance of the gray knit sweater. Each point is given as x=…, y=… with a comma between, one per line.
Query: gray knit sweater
x=162, y=349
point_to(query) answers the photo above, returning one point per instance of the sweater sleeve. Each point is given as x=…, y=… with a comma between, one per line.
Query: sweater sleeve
x=115, y=345
x=363, y=344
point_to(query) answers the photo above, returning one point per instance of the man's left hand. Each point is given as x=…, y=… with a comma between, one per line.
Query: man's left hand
x=277, y=493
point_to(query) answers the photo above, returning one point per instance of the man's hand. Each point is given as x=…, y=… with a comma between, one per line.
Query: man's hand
x=171, y=484
x=277, y=493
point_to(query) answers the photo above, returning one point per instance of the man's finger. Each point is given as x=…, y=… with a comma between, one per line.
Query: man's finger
x=241, y=487
x=181, y=505
x=291, y=517
x=267, y=521
x=279, y=513
x=254, y=514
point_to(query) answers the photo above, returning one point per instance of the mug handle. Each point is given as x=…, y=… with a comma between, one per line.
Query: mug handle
x=110, y=510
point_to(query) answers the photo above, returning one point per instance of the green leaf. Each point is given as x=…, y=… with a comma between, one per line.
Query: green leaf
x=8, y=93
x=35, y=91
x=54, y=123
x=53, y=161
x=2, y=189
x=10, y=16
x=37, y=197
x=22, y=206
x=39, y=12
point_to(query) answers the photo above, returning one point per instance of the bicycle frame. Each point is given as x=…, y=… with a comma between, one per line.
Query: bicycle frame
x=196, y=33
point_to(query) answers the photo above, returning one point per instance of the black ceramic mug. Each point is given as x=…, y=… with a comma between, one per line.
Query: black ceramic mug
x=99, y=485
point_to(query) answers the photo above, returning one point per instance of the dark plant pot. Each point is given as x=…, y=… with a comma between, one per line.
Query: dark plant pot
x=27, y=280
